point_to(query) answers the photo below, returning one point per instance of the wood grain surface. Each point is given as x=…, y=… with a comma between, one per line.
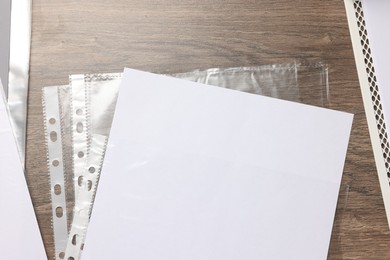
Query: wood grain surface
x=71, y=37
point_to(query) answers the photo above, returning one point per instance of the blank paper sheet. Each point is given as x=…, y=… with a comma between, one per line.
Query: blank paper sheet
x=20, y=237
x=197, y=172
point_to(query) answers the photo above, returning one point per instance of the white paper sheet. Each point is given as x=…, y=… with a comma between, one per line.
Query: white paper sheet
x=5, y=27
x=20, y=237
x=199, y=172
x=376, y=13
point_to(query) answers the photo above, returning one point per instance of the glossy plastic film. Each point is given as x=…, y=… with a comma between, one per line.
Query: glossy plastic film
x=302, y=83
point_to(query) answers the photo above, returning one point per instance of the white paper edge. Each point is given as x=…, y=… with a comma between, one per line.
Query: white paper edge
x=3, y=99
x=370, y=113
x=19, y=70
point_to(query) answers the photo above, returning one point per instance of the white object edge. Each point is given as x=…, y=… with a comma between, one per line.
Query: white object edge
x=19, y=65
x=368, y=104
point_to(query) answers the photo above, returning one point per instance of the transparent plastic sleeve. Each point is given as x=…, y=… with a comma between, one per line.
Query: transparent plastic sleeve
x=87, y=107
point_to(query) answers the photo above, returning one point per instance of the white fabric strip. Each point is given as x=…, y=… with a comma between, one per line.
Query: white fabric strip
x=56, y=168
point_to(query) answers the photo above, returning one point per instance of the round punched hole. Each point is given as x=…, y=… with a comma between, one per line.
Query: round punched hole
x=53, y=136
x=79, y=112
x=55, y=163
x=80, y=181
x=91, y=169
x=57, y=189
x=71, y=258
x=52, y=121
x=59, y=212
x=80, y=154
x=79, y=127
x=61, y=255
x=89, y=185
x=75, y=239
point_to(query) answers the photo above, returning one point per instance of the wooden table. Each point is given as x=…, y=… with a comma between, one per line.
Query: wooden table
x=70, y=37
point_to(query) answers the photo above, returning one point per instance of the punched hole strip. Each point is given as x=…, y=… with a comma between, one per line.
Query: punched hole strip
x=371, y=95
x=88, y=185
x=374, y=89
x=80, y=129
x=51, y=111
